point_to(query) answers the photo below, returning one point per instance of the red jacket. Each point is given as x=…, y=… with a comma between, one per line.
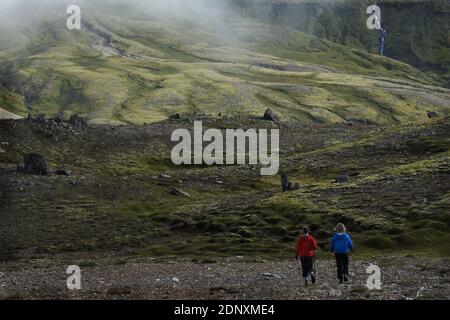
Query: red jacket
x=306, y=246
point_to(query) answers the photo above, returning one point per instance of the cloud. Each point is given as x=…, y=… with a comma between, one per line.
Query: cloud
x=25, y=11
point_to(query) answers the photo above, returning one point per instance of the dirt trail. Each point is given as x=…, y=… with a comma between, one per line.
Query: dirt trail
x=233, y=278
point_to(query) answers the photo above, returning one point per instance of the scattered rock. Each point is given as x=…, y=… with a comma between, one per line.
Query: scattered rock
x=118, y=291
x=39, y=118
x=63, y=172
x=343, y=178
x=78, y=122
x=268, y=276
x=175, y=116
x=335, y=293
x=270, y=115
x=34, y=164
x=244, y=233
x=179, y=193
x=358, y=121
x=164, y=176
x=432, y=114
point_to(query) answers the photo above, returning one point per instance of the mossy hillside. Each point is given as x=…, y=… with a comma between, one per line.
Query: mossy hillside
x=185, y=69
x=117, y=198
x=11, y=102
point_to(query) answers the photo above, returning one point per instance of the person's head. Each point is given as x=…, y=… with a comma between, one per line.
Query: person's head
x=340, y=228
x=305, y=230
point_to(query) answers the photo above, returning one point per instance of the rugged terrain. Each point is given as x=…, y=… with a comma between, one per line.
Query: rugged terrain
x=367, y=138
x=119, y=193
x=128, y=66
x=233, y=278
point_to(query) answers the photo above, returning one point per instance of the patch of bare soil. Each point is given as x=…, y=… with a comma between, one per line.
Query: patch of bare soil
x=233, y=278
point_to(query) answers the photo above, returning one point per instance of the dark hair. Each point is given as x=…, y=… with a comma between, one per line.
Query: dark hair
x=305, y=230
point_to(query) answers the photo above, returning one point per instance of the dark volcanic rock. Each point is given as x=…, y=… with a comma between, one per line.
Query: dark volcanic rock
x=40, y=118
x=78, y=122
x=63, y=172
x=343, y=178
x=179, y=193
x=35, y=164
x=270, y=115
x=296, y=186
x=175, y=116
x=286, y=185
x=432, y=114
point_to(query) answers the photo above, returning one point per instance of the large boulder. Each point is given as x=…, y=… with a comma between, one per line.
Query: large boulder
x=35, y=164
x=286, y=185
x=270, y=115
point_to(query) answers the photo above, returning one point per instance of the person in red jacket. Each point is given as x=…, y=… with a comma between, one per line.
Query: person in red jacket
x=306, y=245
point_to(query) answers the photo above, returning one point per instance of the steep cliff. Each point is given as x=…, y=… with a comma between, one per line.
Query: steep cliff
x=418, y=31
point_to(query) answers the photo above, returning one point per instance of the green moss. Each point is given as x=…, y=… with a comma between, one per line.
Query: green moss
x=379, y=243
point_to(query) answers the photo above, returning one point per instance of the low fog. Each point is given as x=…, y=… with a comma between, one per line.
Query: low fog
x=23, y=12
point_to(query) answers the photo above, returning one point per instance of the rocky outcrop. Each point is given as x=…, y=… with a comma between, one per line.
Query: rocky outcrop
x=78, y=122
x=286, y=185
x=269, y=115
x=34, y=164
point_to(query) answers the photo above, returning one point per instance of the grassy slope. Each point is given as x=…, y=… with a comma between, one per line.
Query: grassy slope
x=194, y=68
x=125, y=204
x=396, y=201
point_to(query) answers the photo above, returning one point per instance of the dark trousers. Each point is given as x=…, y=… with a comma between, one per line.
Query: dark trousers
x=342, y=265
x=307, y=265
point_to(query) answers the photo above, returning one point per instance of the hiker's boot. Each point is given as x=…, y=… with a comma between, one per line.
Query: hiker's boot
x=340, y=281
x=346, y=279
x=306, y=282
x=313, y=278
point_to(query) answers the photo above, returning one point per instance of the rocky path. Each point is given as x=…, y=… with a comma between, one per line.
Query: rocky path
x=233, y=278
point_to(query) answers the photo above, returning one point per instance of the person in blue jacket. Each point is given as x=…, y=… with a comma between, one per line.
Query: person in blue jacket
x=341, y=246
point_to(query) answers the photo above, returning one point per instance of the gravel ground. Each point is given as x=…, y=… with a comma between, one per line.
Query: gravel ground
x=234, y=278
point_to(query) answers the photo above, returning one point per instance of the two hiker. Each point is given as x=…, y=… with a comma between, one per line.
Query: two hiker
x=341, y=246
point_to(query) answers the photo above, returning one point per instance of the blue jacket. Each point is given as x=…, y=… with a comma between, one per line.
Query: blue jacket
x=341, y=243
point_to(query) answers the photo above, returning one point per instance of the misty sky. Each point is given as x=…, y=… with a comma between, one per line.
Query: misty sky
x=22, y=11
